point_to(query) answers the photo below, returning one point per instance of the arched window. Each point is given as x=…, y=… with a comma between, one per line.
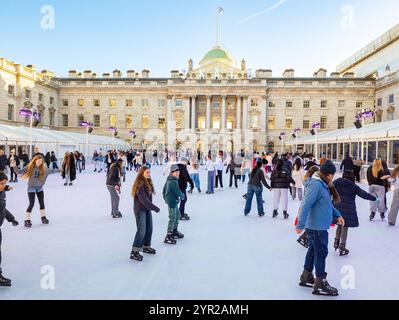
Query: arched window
x=270, y=147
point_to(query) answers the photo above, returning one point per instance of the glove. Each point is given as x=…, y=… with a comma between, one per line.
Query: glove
x=15, y=223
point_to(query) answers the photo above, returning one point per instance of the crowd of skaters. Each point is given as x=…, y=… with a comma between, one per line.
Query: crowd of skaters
x=324, y=201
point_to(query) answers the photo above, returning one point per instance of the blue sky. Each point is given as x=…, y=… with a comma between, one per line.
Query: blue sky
x=161, y=35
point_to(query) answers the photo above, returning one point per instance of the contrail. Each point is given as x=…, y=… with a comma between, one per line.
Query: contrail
x=274, y=6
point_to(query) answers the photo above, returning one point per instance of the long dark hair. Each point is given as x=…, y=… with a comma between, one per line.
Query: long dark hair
x=256, y=168
x=297, y=164
x=141, y=181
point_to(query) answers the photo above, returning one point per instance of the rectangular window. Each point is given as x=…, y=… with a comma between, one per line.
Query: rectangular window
x=254, y=102
x=96, y=120
x=144, y=103
x=129, y=121
x=51, y=101
x=179, y=102
x=65, y=102
x=215, y=122
x=28, y=94
x=288, y=122
x=306, y=104
x=96, y=102
x=40, y=97
x=11, y=90
x=112, y=102
x=80, y=118
x=65, y=120
x=230, y=123
x=391, y=98
x=81, y=102
x=359, y=104
x=306, y=124
x=379, y=102
x=10, y=112
x=323, y=122
x=161, y=103
x=341, y=104
x=129, y=102
x=271, y=123
x=112, y=120
x=201, y=122
x=161, y=122
x=215, y=105
x=288, y=104
x=323, y=104
x=145, y=121
x=254, y=122
x=272, y=104
x=341, y=122
x=51, y=114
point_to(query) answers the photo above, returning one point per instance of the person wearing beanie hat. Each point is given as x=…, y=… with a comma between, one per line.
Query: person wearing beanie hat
x=4, y=215
x=316, y=215
x=172, y=196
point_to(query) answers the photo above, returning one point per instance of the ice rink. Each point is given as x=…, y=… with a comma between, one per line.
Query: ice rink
x=224, y=255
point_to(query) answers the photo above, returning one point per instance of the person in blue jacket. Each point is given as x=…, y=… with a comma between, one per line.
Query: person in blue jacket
x=316, y=215
x=348, y=190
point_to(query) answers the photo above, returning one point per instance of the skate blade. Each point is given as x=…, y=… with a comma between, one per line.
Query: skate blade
x=320, y=293
x=305, y=285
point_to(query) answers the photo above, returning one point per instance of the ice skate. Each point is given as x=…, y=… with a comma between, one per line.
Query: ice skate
x=382, y=216
x=4, y=282
x=307, y=279
x=136, y=256
x=286, y=215
x=342, y=250
x=336, y=244
x=303, y=240
x=45, y=220
x=184, y=217
x=323, y=288
x=372, y=216
x=169, y=239
x=275, y=213
x=177, y=235
x=149, y=251
x=28, y=224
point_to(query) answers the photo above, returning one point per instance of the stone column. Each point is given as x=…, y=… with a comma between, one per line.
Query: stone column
x=238, y=116
x=187, y=112
x=208, y=112
x=171, y=130
x=245, y=113
x=193, y=112
x=223, y=126
x=263, y=120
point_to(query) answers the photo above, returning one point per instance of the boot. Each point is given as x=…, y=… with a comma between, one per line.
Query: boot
x=177, y=235
x=4, y=282
x=28, y=224
x=303, y=240
x=136, y=256
x=184, y=216
x=43, y=215
x=149, y=250
x=169, y=239
x=275, y=213
x=45, y=220
x=307, y=279
x=322, y=287
x=286, y=215
x=342, y=250
x=372, y=216
x=336, y=244
x=115, y=216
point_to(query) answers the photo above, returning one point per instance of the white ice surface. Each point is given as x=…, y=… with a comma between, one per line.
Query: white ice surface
x=223, y=256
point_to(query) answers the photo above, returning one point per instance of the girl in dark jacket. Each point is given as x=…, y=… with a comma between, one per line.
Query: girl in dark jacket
x=233, y=167
x=114, y=187
x=376, y=179
x=68, y=171
x=142, y=192
x=348, y=190
x=280, y=181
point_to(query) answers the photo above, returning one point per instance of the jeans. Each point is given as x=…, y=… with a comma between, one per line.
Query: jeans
x=232, y=175
x=294, y=192
x=114, y=199
x=182, y=207
x=211, y=182
x=79, y=165
x=317, y=252
x=144, y=230
x=55, y=165
x=219, y=178
x=174, y=216
x=196, y=180
x=250, y=194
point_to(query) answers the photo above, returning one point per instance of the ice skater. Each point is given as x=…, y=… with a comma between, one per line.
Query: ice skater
x=68, y=171
x=280, y=183
x=210, y=167
x=376, y=180
x=114, y=187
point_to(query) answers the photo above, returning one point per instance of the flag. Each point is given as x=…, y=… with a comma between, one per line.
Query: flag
x=220, y=10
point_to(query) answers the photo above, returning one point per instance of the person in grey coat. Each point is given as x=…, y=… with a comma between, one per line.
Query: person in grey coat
x=114, y=187
x=4, y=215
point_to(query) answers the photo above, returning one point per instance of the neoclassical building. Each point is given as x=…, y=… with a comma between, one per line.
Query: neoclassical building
x=215, y=104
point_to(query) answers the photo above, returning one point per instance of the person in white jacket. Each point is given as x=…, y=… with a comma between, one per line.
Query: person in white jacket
x=210, y=168
x=219, y=169
x=298, y=175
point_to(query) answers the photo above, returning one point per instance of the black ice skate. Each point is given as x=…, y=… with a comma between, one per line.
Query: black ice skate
x=391, y=224
x=169, y=239
x=136, y=256
x=382, y=216
x=115, y=216
x=336, y=244
x=307, y=279
x=45, y=220
x=322, y=287
x=184, y=217
x=28, y=224
x=4, y=282
x=286, y=215
x=342, y=250
x=372, y=216
x=177, y=235
x=303, y=240
x=120, y=214
x=275, y=213
x=65, y=184
x=261, y=214
x=149, y=251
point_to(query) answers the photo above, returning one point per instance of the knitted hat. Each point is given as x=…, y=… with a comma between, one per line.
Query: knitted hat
x=174, y=168
x=328, y=167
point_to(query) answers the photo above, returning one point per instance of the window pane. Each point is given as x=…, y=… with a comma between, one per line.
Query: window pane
x=145, y=122
x=112, y=120
x=129, y=121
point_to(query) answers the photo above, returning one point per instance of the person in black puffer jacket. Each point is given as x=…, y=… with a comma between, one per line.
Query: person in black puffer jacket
x=184, y=180
x=280, y=181
x=3, y=161
x=348, y=190
x=114, y=186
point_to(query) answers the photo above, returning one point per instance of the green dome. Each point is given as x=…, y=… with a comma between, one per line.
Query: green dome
x=217, y=53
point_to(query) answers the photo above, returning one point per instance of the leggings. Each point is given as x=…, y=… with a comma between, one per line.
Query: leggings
x=342, y=233
x=40, y=197
x=13, y=174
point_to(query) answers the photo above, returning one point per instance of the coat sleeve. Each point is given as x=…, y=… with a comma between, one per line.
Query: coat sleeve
x=365, y=195
x=9, y=216
x=188, y=178
x=143, y=198
x=311, y=196
x=262, y=178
